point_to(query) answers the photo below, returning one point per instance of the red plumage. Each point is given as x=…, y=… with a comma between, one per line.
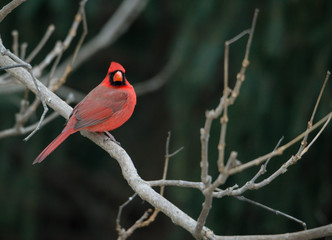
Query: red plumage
x=105, y=108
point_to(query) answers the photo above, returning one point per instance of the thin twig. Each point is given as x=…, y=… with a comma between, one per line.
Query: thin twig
x=320, y=96
x=136, y=225
x=277, y=212
x=206, y=179
x=122, y=232
x=284, y=167
x=51, y=73
x=41, y=44
x=15, y=42
x=123, y=205
x=25, y=130
x=262, y=170
x=145, y=220
x=223, y=177
x=19, y=129
x=23, y=50
x=317, y=135
x=224, y=118
x=304, y=141
x=245, y=63
x=28, y=67
x=117, y=24
x=23, y=116
x=9, y=7
x=162, y=188
x=279, y=151
x=80, y=16
x=205, y=135
x=175, y=152
x=142, y=187
x=250, y=184
x=61, y=47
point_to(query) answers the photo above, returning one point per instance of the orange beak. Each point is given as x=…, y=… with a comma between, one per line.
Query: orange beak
x=117, y=77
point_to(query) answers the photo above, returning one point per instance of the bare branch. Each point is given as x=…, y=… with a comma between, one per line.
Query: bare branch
x=241, y=75
x=25, y=113
x=203, y=215
x=278, y=151
x=205, y=135
x=28, y=67
x=319, y=97
x=145, y=219
x=118, y=23
x=224, y=118
x=19, y=129
x=226, y=101
x=303, y=136
x=129, y=172
x=9, y=7
x=277, y=212
x=138, y=224
x=304, y=142
x=80, y=16
x=262, y=170
x=28, y=129
x=141, y=222
x=141, y=187
x=41, y=44
x=23, y=50
x=175, y=152
x=317, y=135
x=162, y=188
x=177, y=183
x=61, y=47
x=15, y=42
x=122, y=232
x=250, y=185
x=319, y=232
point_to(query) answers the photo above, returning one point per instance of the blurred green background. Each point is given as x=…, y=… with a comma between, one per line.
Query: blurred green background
x=76, y=192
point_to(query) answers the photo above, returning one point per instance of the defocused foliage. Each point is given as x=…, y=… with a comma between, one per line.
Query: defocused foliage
x=76, y=192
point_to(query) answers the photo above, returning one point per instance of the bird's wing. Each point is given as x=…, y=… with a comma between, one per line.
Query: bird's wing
x=100, y=104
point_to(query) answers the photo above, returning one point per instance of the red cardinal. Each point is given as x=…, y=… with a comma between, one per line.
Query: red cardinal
x=105, y=108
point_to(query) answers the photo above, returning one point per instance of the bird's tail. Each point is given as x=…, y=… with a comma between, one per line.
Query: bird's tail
x=53, y=145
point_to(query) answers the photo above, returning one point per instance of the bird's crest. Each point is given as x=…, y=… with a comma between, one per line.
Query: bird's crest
x=116, y=66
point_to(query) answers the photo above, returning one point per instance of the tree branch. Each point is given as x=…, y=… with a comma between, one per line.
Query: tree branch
x=9, y=7
x=313, y=233
x=120, y=21
x=144, y=189
x=141, y=187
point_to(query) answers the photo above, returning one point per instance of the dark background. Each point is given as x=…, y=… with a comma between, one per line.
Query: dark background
x=76, y=192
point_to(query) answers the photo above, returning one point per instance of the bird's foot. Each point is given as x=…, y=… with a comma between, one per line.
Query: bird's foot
x=111, y=138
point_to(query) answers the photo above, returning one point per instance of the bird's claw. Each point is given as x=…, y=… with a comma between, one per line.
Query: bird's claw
x=111, y=138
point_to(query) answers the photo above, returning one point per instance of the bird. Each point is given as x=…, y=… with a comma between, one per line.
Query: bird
x=105, y=108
